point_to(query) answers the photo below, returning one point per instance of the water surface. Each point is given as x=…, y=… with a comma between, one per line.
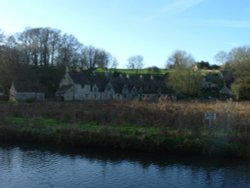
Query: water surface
x=32, y=166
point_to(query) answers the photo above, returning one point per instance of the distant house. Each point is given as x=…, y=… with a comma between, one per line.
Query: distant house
x=212, y=81
x=228, y=76
x=88, y=85
x=26, y=91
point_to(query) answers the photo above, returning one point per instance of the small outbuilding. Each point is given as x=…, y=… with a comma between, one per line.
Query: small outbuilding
x=225, y=93
x=26, y=91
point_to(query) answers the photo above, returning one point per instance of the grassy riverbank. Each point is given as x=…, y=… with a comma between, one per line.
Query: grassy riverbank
x=160, y=127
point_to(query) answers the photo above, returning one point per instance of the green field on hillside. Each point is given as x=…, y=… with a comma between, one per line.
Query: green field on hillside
x=134, y=71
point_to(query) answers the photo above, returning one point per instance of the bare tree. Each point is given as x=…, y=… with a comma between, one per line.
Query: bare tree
x=101, y=58
x=47, y=46
x=239, y=55
x=95, y=58
x=9, y=71
x=88, y=56
x=183, y=79
x=221, y=57
x=113, y=62
x=135, y=62
x=69, y=51
x=1, y=37
x=239, y=61
x=180, y=59
x=29, y=45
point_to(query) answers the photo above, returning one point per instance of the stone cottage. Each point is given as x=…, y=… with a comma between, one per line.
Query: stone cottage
x=212, y=81
x=26, y=91
x=88, y=85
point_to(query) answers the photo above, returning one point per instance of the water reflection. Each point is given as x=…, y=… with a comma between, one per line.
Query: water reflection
x=32, y=166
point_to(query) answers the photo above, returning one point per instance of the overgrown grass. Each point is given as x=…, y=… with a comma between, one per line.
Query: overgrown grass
x=150, y=126
x=118, y=137
x=91, y=127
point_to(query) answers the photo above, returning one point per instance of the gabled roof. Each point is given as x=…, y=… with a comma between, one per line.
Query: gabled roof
x=146, y=83
x=225, y=91
x=62, y=90
x=80, y=77
x=214, y=78
x=87, y=77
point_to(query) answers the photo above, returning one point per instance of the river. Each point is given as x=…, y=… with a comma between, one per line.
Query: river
x=40, y=167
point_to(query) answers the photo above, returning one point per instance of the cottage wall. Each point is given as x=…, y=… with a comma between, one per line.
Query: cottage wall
x=90, y=91
x=82, y=93
x=96, y=95
x=22, y=96
x=73, y=93
x=109, y=93
x=133, y=93
x=87, y=88
x=125, y=92
x=68, y=95
x=85, y=93
x=77, y=92
x=207, y=85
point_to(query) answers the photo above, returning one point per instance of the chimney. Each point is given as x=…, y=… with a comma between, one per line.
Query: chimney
x=67, y=69
x=78, y=69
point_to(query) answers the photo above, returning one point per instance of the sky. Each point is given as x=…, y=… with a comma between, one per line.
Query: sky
x=151, y=28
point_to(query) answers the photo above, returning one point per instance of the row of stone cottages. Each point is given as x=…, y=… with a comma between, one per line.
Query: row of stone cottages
x=86, y=85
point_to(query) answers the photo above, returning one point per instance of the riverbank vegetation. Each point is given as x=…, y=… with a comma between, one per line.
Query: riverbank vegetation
x=163, y=126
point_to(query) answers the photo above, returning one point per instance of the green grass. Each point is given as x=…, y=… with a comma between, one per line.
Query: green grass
x=148, y=71
x=92, y=127
x=35, y=121
x=144, y=138
x=134, y=71
x=132, y=130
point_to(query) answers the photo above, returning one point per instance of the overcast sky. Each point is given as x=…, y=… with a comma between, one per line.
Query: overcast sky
x=151, y=28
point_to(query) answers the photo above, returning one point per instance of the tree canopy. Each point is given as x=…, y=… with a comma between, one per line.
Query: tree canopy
x=183, y=79
x=239, y=61
x=37, y=53
x=48, y=46
x=135, y=62
x=49, y=51
x=180, y=59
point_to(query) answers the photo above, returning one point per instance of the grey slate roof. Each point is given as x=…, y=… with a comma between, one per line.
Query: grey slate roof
x=225, y=91
x=28, y=86
x=214, y=78
x=146, y=84
x=63, y=89
x=86, y=77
